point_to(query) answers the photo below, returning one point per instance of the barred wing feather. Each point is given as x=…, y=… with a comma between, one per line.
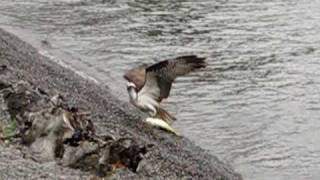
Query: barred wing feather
x=159, y=77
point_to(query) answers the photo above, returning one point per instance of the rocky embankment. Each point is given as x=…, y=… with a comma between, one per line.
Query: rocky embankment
x=56, y=125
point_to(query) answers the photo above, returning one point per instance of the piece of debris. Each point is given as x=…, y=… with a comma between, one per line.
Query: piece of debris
x=53, y=130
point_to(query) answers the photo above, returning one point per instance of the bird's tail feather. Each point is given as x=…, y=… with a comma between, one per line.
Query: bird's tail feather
x=163, y=114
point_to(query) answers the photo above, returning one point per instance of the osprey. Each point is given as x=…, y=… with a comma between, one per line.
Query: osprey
x=148, y=85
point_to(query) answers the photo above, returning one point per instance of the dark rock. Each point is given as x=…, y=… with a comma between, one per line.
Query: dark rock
x=3, y=68
x=124, y=152
x=3, y=85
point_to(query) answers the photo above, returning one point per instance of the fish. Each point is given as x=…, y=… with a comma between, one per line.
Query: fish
x=157, y=122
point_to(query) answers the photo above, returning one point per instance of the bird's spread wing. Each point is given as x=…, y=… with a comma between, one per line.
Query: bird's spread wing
x=160, y=76
x=137, y=76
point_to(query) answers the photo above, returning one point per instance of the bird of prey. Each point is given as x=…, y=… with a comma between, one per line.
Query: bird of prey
x=148, y=85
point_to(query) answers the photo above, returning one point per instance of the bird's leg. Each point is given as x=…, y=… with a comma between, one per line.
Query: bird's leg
x=152, y=111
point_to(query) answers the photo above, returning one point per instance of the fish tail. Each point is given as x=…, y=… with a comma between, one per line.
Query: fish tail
x=163, y=114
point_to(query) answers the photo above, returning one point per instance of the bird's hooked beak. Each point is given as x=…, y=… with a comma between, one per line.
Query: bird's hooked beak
x=131, y=85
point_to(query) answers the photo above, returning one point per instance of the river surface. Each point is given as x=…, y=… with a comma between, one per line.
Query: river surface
x=256, y=105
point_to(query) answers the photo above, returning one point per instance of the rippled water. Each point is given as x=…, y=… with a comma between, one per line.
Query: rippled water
x=256, y=106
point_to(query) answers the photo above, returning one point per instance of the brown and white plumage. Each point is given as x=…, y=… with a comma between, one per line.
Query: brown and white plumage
x=157, y=80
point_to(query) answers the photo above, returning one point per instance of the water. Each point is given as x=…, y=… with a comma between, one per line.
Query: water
x=256, y=106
